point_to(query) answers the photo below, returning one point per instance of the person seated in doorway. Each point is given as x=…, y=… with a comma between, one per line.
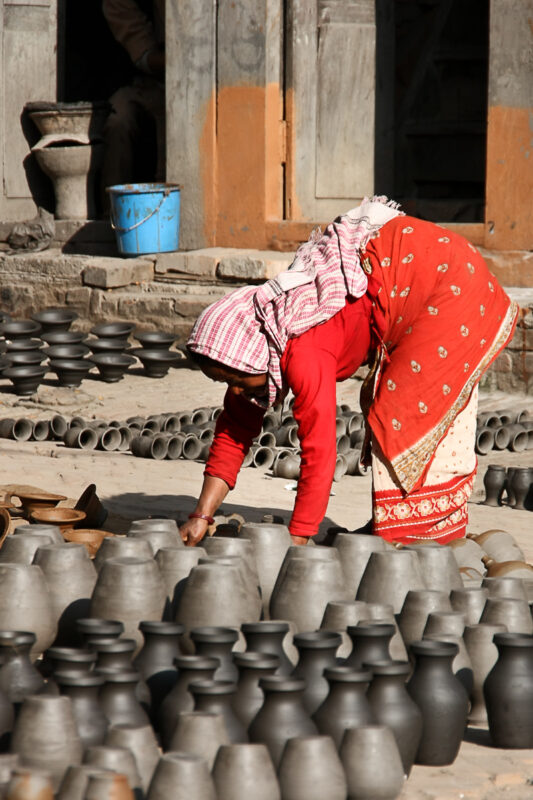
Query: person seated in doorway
x=134, y=133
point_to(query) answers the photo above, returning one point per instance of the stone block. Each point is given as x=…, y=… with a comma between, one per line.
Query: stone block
x=104, y=305
x=511, y=267
x=522, y=339
x=253, y=266
x=79, y=299
x=194, y=262
x=145, y=308
x=48, y=267
x=190, y=306
x=110, y=273
x=504, y=363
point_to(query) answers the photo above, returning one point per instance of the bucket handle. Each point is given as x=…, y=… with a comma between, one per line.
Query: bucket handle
x=116, y=227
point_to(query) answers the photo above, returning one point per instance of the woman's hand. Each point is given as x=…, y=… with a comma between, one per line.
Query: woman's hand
x=193, y=531
x=301, y=540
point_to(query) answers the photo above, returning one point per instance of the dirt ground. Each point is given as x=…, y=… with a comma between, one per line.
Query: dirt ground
x=133, y=488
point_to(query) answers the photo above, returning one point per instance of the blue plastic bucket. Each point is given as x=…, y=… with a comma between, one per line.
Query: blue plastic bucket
x=145, y=217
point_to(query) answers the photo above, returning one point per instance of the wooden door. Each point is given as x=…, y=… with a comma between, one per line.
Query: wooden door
x=28, y=37
x=330, y=106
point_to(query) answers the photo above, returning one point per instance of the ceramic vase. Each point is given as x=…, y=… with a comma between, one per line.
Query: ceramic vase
x=45, y=735
x=175, y=564
x=355, y=550
x=483, y=654
x=416, y=608
x=270, y=543
x=372, y=763
x=346, y=705
x=141, y=741
x=508, y=611
x=19, y=678
x=441, y=698
x=317, y=651
x=438, y=566
x=216, y=697
x=115, y=759
x=25, y=604
x=179, y=699
x=93, y=628
x=521, y=483
x=70, y=577
x=113, y=653
x=371, y=642
x=242, y=771
x=249, y=697
x=181, y=776
x=461, y=664
x=130, y=590
x=199, y=733
x=383, y=613
x=282, y=715
x=125, y=547
x=91, y=722
x=155, y=661
x=310, y=769
x=508, y=692
x=392, y=706
x=217, y=642
x=68, y=659
x=268, y=637
x=388, y=576
x=118, y=699
x=494, y=483
x=337, y=617
x=470, y=602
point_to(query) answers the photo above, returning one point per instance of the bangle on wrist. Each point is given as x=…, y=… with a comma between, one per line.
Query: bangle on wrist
x=197, y=515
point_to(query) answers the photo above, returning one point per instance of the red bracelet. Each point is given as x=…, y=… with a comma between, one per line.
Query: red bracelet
x=196, y=515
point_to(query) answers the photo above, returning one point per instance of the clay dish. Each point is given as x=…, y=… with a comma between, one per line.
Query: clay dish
x=70, y=372
x=90, y=537
x=63, y=337
x=117, y=345
x=64, y=518
x=156, y=362
x=54, y=319
x=113, y=330
x=112, y=366
x=21, y=329
x=66, y=351
x=23, y=345
x=27, y=358
x=155, y=340
x=25, y=380
x=37, y=501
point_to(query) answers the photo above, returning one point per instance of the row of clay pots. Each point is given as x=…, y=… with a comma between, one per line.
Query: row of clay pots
x=506, y=429
x=511, y=486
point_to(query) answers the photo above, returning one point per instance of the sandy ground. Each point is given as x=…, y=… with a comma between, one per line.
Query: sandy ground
x=133, y=488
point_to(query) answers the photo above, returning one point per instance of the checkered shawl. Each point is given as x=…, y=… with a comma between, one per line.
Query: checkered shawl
x=249, y=328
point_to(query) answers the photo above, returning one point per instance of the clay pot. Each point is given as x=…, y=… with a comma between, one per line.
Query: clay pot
x=216, y=697
x=54, y=319
x=155, y=661
x=461, y=664
x=467, y=553
x=243, y=770
x=511, y=569
x=371, y=642
x=282, y=715
x=18, y=677
x=33, y=501
x=28, y=358
x=70, y=372
x=118, y=699
x=129, y=589
x=438, y=566
x=64, y=518
x=156, y=361
x=499, y=545
x=22, y=549
x=69, y=659
x=63, y=337
x=25, y=604
x=305, y=586
x=155, y=340
x=508, y=692
x=249, y=696
x=199, y=733
x=115, y=759
x=93, y=628
x=23, y=345
x=483, y=656
x=217, y=642
x=215, y=595
x=287, y=467
x=382, y=613
x=179, y=699
x=70, y=577
x=317, y=651
x=508, y=611
x=388, y=577
x=159, y=539
x=444, y=622
x=494, y=483
x=346, y=705
x=175, y=564
x=155, y=447
x=30, y=784
x=106, y=345
x=83, y=689
x=355, y=551
x=112, y=366
x=181, y=776
x=20, y=429
x=141, y=741
x=21, y=329
x=416, y=609
x=76, y=780
x=113, y=653
x=122, y=547
x=484, y=441
x=372, y=763
x=220, y=546
x=45, y=735
x=505, y=586
x=91, y=539
x=267, y=637
x=105, y=785
x=83, y=438
x=442, y=700
x=310, y=769
x=337, y=617
x=113, y=330
x=470, y=602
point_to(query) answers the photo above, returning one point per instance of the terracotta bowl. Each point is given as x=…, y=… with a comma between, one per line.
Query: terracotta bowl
x=64, y=518
x=90, y=537
x=37, y=501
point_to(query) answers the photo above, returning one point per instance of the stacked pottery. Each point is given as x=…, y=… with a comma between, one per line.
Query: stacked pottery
x=217, y=697
x=355, y=551
x=338, y=616
x=242, y=771
x=249, y=696
x=118, y=699
x=217, y=642
x=82, y=689
x=126, y=547
x=190, y=668
x=438, y=566
x=383, y=613
x=181, y=776
x=141, y=741
x=45, y=735
x=129, y=589
x=19, y=678
x=317, y=651
x=415, y=611
x=469, y=601
x=155, y=661
x=268, y=637
x=175, y=564
x=371, y=642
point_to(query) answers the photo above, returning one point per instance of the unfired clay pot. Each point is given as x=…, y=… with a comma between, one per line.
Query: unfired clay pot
x=25, y=604
x=310, y=769
x=372, y=763
x=199, y=733
x=242, y=771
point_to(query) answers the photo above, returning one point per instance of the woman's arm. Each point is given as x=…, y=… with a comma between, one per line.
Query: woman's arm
x=214, y=490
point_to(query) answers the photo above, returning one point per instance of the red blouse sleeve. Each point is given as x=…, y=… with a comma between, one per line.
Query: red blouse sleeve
x=237, y=426
x=311, y=374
